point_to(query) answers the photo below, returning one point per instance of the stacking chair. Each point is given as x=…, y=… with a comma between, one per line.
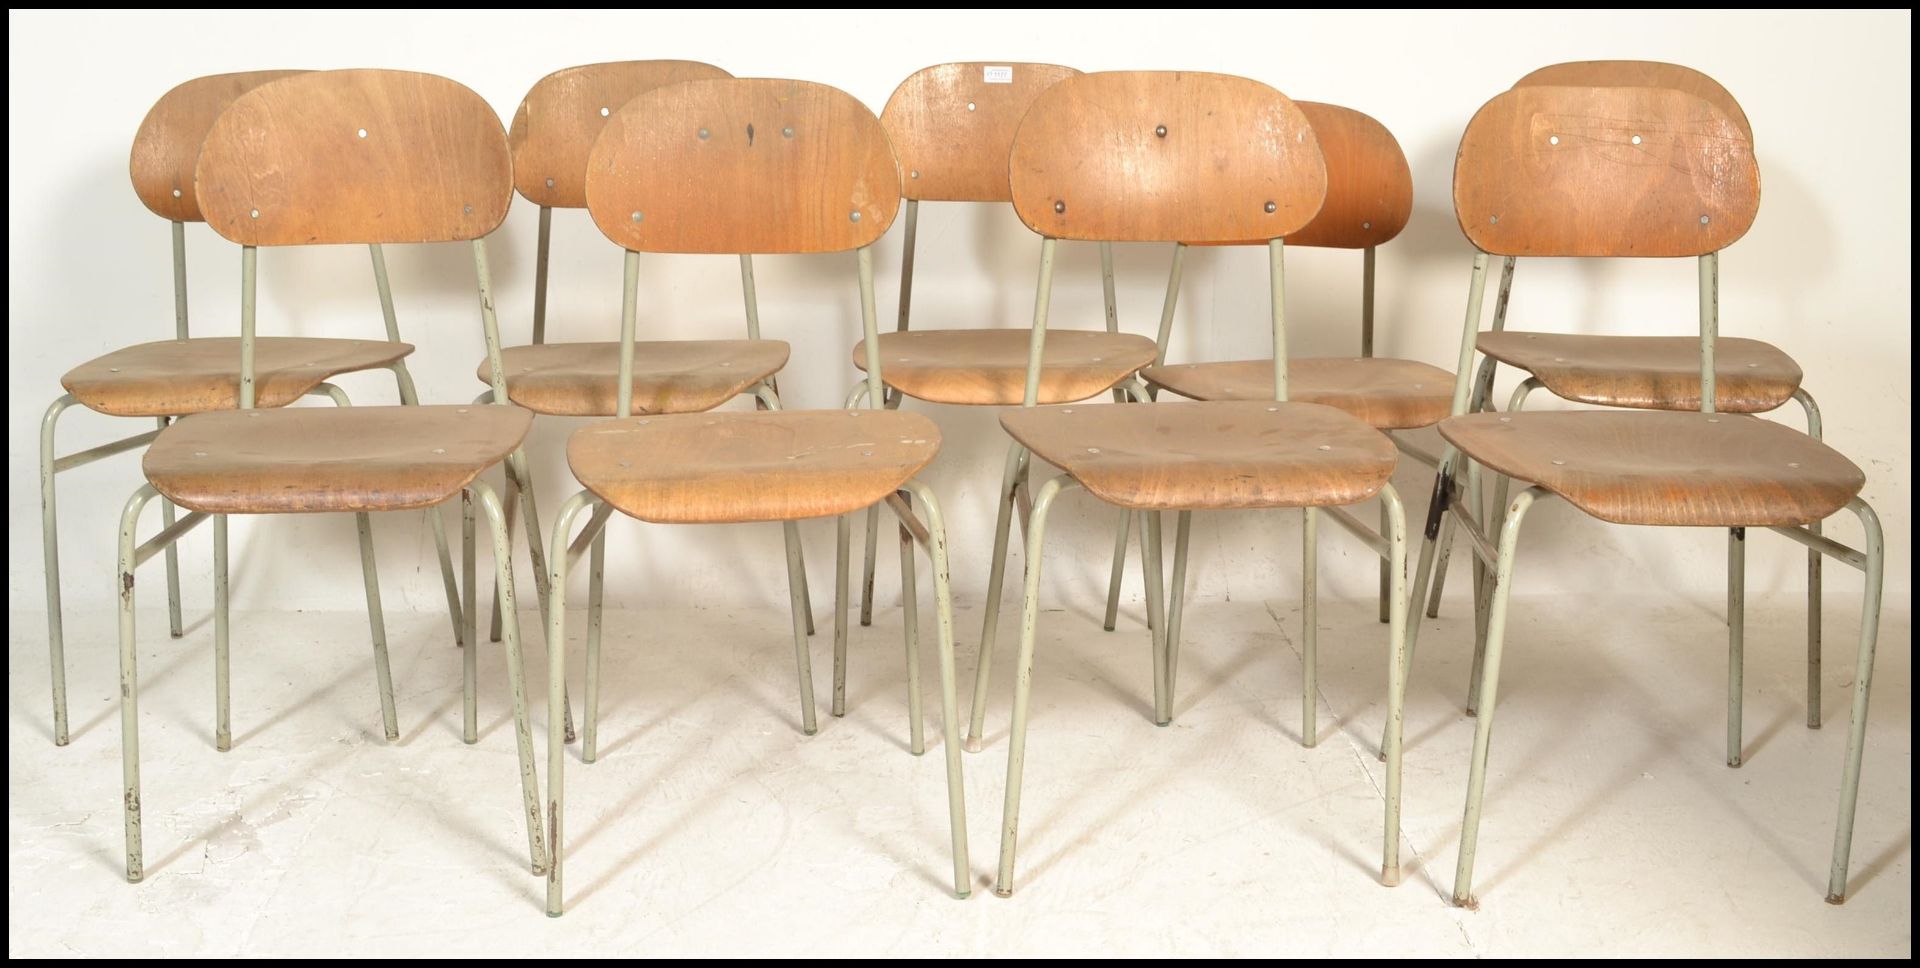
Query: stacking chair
x=552, y=134
x=1197, y=158
x=170, y=378
x=1369, y=199
x=736, y=166
x=1642, y=372
x=951, y=126
x=363, y=157
x=1601, y=172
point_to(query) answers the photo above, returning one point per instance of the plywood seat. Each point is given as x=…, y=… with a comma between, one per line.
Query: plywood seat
x=1649, y=372
x=329, y=458
x=729, y=467
x=1388, y=394
x=1219, y=454
x=176, y=377
x=1701, y=469
x=988, y=367
x=669, y=376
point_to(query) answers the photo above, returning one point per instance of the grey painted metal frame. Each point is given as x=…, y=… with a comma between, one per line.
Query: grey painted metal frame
x=1391, y=545
x=928, y=531
x=1497, y=556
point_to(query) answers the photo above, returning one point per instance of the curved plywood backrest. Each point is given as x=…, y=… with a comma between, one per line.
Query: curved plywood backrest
x=952, y=126
x=1369, y=186
x=743, y=166
x=554, y=130
x=1604, y=171
x=1631, y=73
x=1162, y=156
x=167, y=145
x=355, y=156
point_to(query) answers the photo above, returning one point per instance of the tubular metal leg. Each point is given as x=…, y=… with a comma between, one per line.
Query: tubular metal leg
x=842, y=544
x=1394, y=521
x=130, y=684
x=866, y=568
x=910, y=617
x=1516, y=513
x=1177, y=595
x=1309, y=626
x=50, y=552
x=596, y=595
x=1441, y=559
x=1426, y=565
x=949, y=687
x=556, y=682
x=1120, y=571
x=1862, y=685
x=1814, y=563
x=802, y=658
x=382, y=671
x=996, y=577
x=517, y=474
x=516, y=675
x=1156, y=618
x=1386, y=580
x=222, y=702
x=1483, y=586
x=469, y=623
x=1736, y=637
x=512, y=504
x=175, y=627
x=1023, y=684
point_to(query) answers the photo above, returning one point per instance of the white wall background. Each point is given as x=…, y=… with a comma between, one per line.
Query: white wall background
x=1824, y=273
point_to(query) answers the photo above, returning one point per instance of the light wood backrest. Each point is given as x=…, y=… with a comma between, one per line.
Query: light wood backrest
x=555, y=127
x=167, y=146
x=753, y=165
x=1604, y=171
x=1164, y=156
x=952, y=126
x=362, y=156
x=1369, y=186
x=1632, y=73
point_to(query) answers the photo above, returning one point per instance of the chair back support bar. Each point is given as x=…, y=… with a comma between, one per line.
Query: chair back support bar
x=1161, y=156
x=952, y=125
x=1607, y=171
x=361, y=156
x=167, y=146
x=554, y=129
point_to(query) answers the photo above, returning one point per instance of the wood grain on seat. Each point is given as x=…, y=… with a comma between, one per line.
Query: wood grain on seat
x=988, y=367
x=359, y=156
x=1650, y=372
x=669, y=376
x=167, y=146
x=558, y=120
x=729, y=467
x=1699, y=469
x=176, y=377
x=1213, y=455
x=1604, y=171
x=951, y=127
x=305, y=459
x=1387, y=394
x=1631, y=73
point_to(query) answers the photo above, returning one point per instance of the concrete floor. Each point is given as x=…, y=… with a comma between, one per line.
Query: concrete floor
x=712, y=826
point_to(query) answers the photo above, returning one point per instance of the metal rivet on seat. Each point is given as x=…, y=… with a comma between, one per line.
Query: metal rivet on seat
x=792, y=456
x=1636, y=139
x=853, y=216
x=643, y=423
x=255, y=213
x=113, y=369
x=468, y=210
x=255, y=413
x=549, y=183
x=176, y=193
x=866, y=453
x=439, y=450
x=1272, y=208
x=1366, y=225
x=604, y=112
x=202, y=453
x=461, y=410
x=1559, y=359
x=1059, y=207
x=1093, y=450
x=1553, y=139
x=1752, y=365
x=1506, y=419
x=914, y=173
x=1099, y=359
x=1558, y=461
x=1493, y=220
x=1419, y=386
x=705, y=134
x=970, y=105
x=363, y=132
x=786, y=132
x=1161, y=131
x=1067, y=410
x=1273, y=409
x=1793, y=463
x=1713, y=419
x=626, y=463
x=1704, y=219
x=1326, y=446
x=637, y=216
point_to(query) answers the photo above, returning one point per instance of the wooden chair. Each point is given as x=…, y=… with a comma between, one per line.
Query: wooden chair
x=171, y=378
x=1369, y=200
x=736, y=166
x=1197, y=158
x=341, y=157
x=551, y=135
x=1640, y=372
x=1598, y=172
x=951, y=126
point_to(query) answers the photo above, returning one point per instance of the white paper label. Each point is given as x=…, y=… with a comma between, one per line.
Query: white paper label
x=999, y=75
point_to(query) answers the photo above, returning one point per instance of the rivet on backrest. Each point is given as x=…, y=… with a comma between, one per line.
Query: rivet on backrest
x=970, y=105
x=1636, y=139
x=636, y=216
x=1553, y=140
x=363, y=132
x=1059, y=207
x=255, y=213
x=549, y=183
x=1160, y=131
x=1272, y=208
x=176, y=193
x=604, y=112
x=786, y=132
x=705, y=134
x=913, y=174
x=1704, y=219
x=853, y=216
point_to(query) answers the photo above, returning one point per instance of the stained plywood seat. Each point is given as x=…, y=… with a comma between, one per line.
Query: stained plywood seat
x=988, y=367
x=669, y=376
x=329, y=459
x=1650, y=372
x=1211, y=455
x=1387, y=394
x=731, y=467
x=1700, y=469
x=175, y=377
